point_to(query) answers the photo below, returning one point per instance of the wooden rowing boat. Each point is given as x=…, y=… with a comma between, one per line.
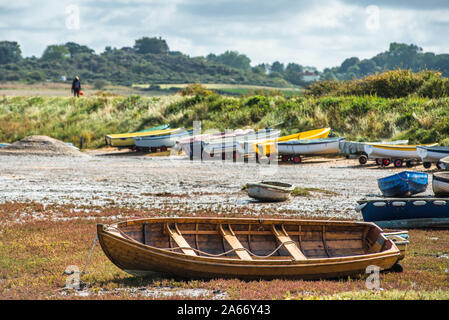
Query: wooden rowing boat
x=246, y=248
x=270, y=191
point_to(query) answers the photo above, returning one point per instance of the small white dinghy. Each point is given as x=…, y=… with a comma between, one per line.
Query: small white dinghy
x=270, y=191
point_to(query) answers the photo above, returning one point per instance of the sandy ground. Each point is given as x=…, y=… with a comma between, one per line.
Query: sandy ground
x=178, y=185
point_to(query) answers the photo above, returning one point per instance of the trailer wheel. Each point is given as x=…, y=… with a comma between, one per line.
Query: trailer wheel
x=153, y=149
x=398, y=163
x=379, y=161
x=386, y=162
x=285, y=158
x=409, y=164
x=163, y=148
x=363, y=160
x=296, y=159
x=427, y=165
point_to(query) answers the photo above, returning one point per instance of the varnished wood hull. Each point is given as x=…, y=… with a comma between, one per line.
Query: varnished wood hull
x=315, y=257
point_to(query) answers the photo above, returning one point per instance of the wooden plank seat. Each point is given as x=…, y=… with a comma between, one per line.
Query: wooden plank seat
x=234, y=243
x=176, y=235
x=288, y=243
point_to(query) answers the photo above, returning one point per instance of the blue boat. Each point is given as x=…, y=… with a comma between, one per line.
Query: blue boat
x=403, y=184
x=3, y=144
x=419, y=212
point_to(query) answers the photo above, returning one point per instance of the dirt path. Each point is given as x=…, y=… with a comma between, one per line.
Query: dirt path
x=178, y=185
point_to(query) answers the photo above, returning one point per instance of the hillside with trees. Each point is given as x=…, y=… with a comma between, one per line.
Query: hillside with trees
x=148, y=61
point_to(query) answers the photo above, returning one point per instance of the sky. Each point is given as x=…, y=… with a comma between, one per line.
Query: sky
x=320, y=33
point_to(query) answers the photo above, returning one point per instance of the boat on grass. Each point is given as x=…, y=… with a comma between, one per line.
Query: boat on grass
x=249, y=248
x=270, y=191
x=440, y=184
x=406, y=213
x=403, y=184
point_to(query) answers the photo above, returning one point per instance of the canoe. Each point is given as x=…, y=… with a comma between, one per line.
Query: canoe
x=250, y=248
x=431, y=155
x=270, y=191
x=403, y=184
x=440, y=184
x=269, y=147
x=406, y=213
x=125, y=140
x=310, y=146
x=160, y=141
x=388, y=151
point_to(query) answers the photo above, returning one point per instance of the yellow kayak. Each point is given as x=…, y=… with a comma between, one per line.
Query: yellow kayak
x=269, y=147
x=124, y=140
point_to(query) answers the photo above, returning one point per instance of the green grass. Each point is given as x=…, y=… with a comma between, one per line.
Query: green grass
x=421, y=120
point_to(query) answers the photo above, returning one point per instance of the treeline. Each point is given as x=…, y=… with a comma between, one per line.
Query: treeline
x=398, y=55
x=148, y=61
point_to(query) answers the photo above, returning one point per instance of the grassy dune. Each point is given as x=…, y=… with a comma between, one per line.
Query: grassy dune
x=421, y=120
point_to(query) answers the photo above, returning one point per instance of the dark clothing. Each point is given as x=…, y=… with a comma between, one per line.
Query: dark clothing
x=76, y=87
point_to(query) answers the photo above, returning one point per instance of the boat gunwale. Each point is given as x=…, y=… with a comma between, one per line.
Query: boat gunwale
x=265, y=185
x=309, y=262
x=391, y=252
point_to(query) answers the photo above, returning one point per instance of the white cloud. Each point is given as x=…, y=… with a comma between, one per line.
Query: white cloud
x=321, y=33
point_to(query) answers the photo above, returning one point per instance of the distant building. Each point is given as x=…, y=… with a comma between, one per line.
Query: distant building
x=310, y=76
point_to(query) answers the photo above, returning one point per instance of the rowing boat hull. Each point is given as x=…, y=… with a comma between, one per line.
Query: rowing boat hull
x=269, y=192
x=392, y=151
x=160, y=141
x=124, y=140
x=432, y=154
x=440, y=184
x=357, y=148
x=310, y=147
x=406, y=213
x=141, y=259
x=270, y=146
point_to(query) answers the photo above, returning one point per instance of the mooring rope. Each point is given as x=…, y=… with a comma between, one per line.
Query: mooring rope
x=90, y=254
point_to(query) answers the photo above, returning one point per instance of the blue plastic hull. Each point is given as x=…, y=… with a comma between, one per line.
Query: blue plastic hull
x=406, y=213
x=403, y=184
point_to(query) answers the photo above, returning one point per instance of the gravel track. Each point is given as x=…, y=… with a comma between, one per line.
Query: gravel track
x=177, y=184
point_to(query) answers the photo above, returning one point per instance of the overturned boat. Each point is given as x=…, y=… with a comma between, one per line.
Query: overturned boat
x=246, y=248
x=270, y=191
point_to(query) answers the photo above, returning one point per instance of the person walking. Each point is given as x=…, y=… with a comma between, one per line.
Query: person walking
x=76, y=87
